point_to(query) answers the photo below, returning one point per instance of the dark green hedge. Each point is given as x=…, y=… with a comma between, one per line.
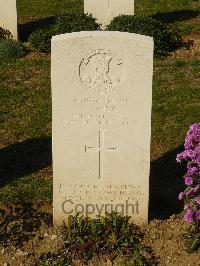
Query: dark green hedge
x=10, y=49
x=5, y=34
x=65, y=23
x=41, y=39
x=75, y=21
x=165, y=39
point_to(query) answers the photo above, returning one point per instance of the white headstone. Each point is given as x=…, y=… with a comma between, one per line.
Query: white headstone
x=106, y=10
x=8, y=16
x=101, y=93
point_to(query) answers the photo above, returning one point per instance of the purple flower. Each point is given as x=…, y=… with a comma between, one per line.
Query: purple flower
x=192, y=171
x=188, y=180
x=188, y=217
x=197, y=200
x=192, y=178
x=181, y=196
x=179, y=158
x=198, y=160
x=186, y=155
x=197, y=215
x=186, y=207
x=190, y=193
x=193, y=137
x=197, y=188
x=197, y=148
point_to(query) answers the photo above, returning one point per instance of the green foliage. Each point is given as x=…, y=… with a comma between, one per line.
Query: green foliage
x=41, y=39
x=111, y=235
x=27, y=190
x=5, y=34
x=45, y=8
x=165, y=39
x=51, y=259
x=189, y=29
x=108, y=237
x=193, y=238
x=75, y=21
x=10, y=49
x=68, y=22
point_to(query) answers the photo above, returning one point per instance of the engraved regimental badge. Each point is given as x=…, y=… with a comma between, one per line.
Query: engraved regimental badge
x=102, y=71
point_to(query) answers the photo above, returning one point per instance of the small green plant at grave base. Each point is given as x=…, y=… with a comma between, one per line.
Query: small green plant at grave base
x=107, y=237
x=165, y=39
x=193, y=238
x=191, y=195
x=10, y=49
x=5, y=34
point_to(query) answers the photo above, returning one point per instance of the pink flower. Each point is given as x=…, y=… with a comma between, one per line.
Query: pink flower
x=197, y=200
x=198, y=215
x=193, y=191
x=186, y=207
x=191, y=154
x=190, y=193
x=192, y=171
x=181, y=196
x=188, y=217
x=188, y=180
x=193, y=136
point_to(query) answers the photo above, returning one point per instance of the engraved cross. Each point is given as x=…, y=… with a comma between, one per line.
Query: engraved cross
x=100, y=149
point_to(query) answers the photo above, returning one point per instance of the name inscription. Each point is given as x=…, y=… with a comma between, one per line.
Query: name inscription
x=98, y=112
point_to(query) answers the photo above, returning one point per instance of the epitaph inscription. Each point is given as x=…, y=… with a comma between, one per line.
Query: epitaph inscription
x=102, y=71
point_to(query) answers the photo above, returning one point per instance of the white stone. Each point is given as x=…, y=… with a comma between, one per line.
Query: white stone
x=102, y=94
x=8, y=16
x=106, y=10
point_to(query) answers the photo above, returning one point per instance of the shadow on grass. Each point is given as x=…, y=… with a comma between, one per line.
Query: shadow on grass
x=27, y=28
x=20, y=223
x=165, y=184
x=166, y=181
x=181, y=15
x=24, y=158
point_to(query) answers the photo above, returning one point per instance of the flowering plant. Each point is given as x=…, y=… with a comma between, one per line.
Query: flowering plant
x=191, y=195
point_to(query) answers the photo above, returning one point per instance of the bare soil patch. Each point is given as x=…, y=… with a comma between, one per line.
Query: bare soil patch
x=29, y=233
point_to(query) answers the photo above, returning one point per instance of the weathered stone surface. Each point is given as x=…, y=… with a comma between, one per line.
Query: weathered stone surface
x=8, y=16
x=106, y=10
x=101, y=93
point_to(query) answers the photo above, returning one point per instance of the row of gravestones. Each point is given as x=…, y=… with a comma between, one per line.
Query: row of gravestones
x=101, y=98
x=103, y=10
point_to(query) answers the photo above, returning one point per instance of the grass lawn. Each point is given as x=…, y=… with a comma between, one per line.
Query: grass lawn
x=36, y=9
x=25, y=114
x=182, y=13
x=25, y=104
